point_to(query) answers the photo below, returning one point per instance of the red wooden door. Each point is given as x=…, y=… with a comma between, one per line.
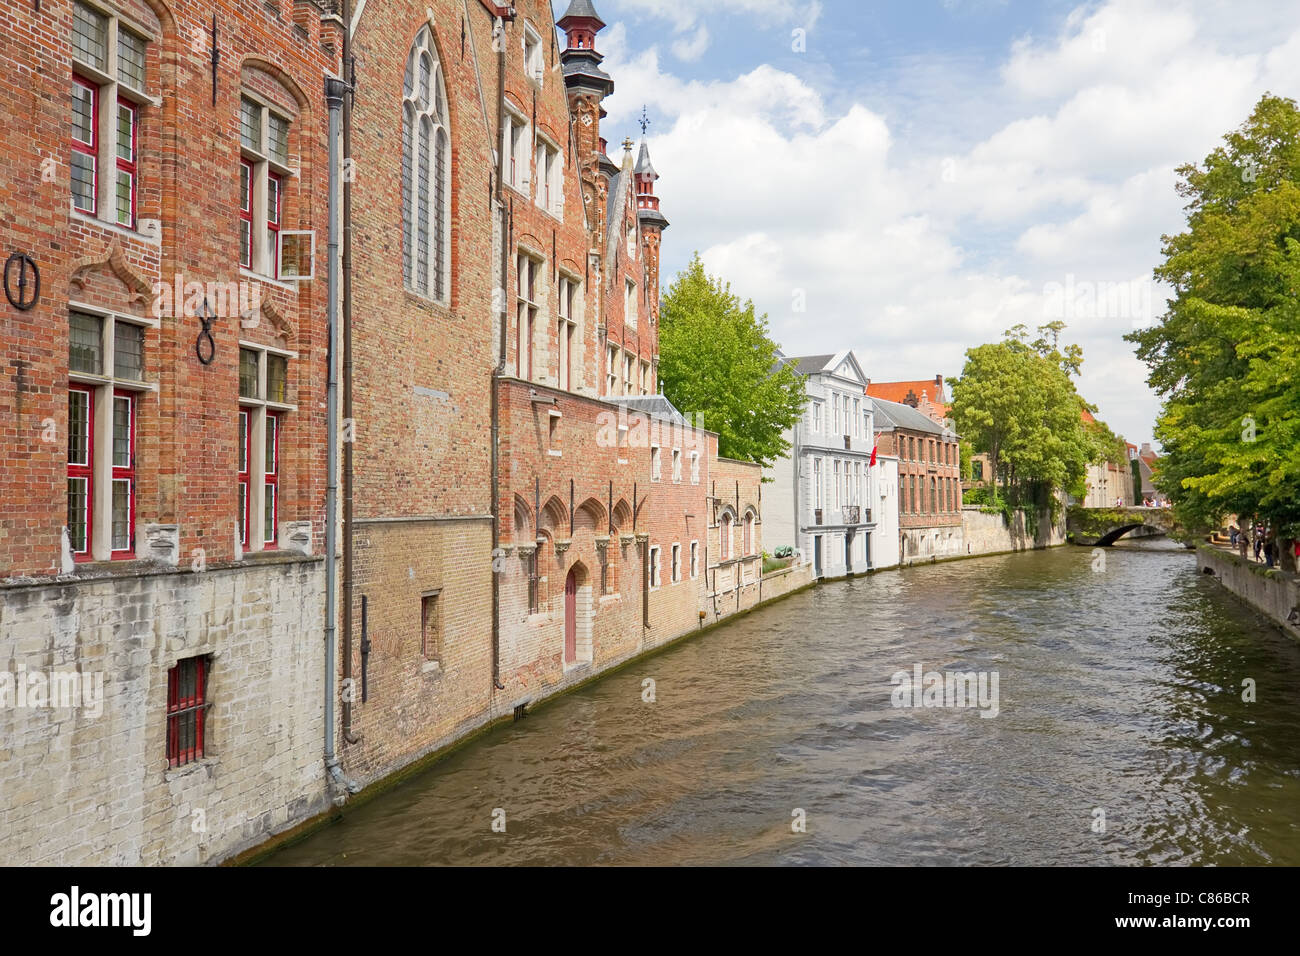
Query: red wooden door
x=571, y=617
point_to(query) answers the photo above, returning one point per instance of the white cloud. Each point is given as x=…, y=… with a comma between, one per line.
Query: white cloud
x=913, y=259
x=692, y=49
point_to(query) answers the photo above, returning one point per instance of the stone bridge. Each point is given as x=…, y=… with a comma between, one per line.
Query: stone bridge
x=1102, y=527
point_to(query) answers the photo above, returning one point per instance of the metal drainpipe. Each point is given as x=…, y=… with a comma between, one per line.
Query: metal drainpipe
x=334, y=92
x=349, y=74
x=494, y=507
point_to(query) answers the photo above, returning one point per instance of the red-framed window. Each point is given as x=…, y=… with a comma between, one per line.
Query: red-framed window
x=246, y=214
x=81, y=478
x=187, y=703
x=245, y=502
x=128, y=127
x=85, y=145
x=271, y=501
x=274, y=204
x=122, y=525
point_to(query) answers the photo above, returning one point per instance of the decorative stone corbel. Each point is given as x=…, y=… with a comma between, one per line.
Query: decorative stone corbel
x=163, y=543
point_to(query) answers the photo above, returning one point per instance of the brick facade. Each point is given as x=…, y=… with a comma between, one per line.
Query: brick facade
x=128, y=563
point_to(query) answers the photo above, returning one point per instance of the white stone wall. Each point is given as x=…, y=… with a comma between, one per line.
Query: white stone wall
x=90, y=785
x=989, y=534
x=884, y=540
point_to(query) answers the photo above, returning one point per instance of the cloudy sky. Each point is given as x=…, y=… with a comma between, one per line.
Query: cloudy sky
x=923, y=174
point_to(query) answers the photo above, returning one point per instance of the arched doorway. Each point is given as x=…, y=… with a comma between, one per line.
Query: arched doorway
x=578, y=611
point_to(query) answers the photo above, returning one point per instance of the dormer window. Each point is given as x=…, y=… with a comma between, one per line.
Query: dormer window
x=533, y=54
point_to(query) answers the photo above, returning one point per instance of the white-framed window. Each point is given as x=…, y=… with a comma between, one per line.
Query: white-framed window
x=835, y=410
x=526, y=308
x=677, y=563
x=565, y=331
x=106, y=383
x=263, y=405
x=677, y=466
x=611, y=370
x=629, y=305
x=629, y=364
x=515, y=142
x=695, y=560
x=835, y=468
x=816, y=417
x=655, y=464
x=817, y=482
x=857, y=416
x=550, y=178
x=426, y=173
x=654, y=566
x=533, y=64
x=109, y=78
x=695, y=467
x=263, y=172
x=647, y=379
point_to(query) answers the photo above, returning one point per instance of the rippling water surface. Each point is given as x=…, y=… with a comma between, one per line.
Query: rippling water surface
x=1119, y=690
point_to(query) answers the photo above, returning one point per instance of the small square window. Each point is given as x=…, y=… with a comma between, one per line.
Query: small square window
x=277, y=379
x=248, y=374
x=250, y=124
x=130, y=59
x=90, y=36
x=86, y=343
x=277, y=128
x=128, y=351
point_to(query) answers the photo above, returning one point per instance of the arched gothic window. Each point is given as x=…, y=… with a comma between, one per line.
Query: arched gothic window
x=426, y=173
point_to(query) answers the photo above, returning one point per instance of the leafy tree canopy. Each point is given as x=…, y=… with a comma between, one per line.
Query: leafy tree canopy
x=716, y=360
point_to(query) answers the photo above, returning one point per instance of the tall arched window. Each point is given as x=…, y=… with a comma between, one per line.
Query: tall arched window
x=426, y=173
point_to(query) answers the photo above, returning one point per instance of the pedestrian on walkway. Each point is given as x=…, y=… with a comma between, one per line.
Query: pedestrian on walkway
x=1232, y=536
x=1259, y=540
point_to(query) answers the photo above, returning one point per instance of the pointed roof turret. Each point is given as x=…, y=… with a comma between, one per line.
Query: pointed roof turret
x=643, y=166
x=582, y=72
x=580, y=9
x=647, y=203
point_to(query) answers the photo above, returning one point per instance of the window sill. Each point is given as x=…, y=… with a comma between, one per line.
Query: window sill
x=555, y=454
x=202, y=765
x=419, y=298
x=269, y=280
x=152, y=238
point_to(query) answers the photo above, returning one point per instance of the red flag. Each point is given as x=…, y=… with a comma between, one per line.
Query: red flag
x=873, y=455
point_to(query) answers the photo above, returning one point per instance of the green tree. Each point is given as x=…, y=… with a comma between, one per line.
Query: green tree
x=1225, y=356
x=1015, y=401
x=716, y=360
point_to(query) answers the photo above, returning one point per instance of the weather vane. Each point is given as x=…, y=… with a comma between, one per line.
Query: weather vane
x=645, y=120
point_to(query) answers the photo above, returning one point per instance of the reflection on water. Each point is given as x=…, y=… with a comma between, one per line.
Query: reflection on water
x=1120, y=690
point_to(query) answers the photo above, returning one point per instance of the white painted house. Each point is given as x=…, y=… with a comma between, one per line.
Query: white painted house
x=821, y=498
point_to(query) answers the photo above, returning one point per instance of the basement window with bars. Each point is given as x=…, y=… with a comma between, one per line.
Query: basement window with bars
x=263, y=409
x=109, y=77
x=105, y=387
x=187, y=705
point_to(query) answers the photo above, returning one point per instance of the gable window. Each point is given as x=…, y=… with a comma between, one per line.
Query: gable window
x=525, y=313
x=533, y=54
x=108, y=91
x=187, y=705
x=564, y=332
x=263, y=170
x=106, y=379
x=629, y=305
x=549, y=178
x=514, y=144
x=263, y=404
x=426, y=173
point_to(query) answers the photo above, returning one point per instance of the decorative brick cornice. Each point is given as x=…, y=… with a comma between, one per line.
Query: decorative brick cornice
x=114, y=257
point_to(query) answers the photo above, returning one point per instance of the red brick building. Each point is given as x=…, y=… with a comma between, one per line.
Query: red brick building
x=164, y=171
x=929, y=480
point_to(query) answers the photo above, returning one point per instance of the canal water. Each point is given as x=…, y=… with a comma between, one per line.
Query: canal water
x=1119, y=702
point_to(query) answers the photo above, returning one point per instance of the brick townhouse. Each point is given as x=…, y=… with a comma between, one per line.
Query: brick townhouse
x=164, y=173
x=929, y=480
x=521, y=508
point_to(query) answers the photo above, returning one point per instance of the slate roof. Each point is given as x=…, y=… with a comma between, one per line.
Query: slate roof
x=897, y=415
x=657, y=406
